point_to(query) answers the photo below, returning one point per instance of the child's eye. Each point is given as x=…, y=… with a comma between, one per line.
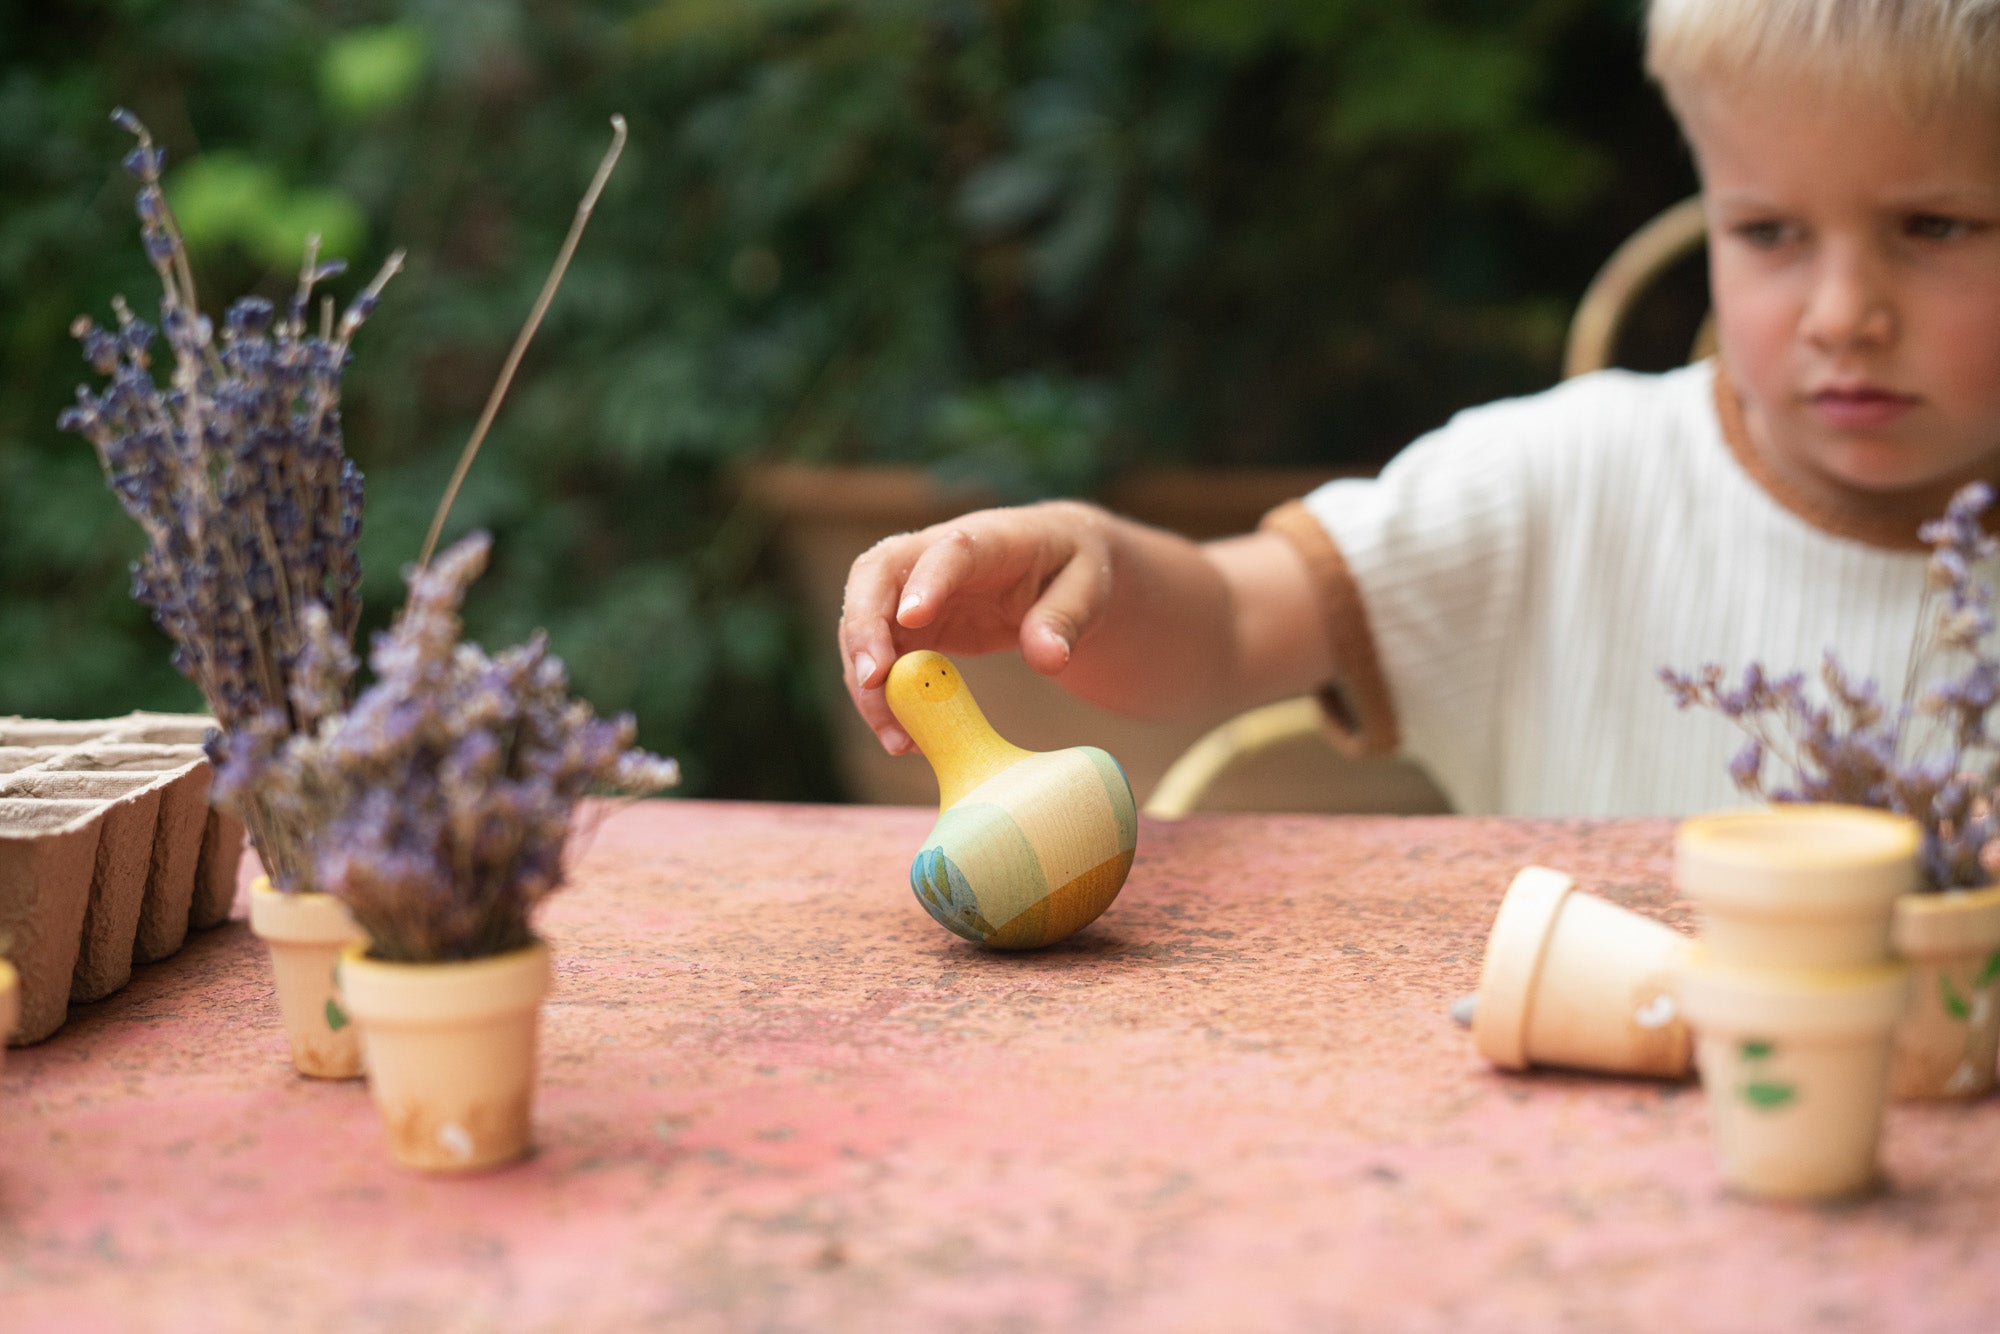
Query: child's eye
x=1935, y=227
x=1763, y=234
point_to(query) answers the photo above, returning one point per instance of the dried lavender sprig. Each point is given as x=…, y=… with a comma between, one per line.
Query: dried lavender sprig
x=439, y=805
x=1931, y=757
x=236, y=473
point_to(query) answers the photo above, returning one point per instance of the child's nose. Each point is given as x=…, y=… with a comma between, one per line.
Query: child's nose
x=1851, y=301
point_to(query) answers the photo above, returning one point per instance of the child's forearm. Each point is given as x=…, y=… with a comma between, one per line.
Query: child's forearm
x=1136, y=619
x=1199, y=629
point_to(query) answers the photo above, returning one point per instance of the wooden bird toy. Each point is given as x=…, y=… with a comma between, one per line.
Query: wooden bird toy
x=1030, y=846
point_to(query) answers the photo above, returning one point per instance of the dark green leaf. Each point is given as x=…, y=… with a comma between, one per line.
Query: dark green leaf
x=1954, y=1004
x=1990, y=973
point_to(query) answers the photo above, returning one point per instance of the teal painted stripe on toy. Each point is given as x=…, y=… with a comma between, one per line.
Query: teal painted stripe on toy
x=1000, y=866
x=1119, y=789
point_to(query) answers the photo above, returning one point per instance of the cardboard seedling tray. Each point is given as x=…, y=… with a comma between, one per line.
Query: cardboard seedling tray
x=109, y=853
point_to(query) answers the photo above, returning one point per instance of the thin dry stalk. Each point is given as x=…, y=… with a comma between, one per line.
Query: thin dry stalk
x=521, y=340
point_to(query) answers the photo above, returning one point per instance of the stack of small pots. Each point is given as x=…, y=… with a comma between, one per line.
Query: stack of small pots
x=1828, y=978
x=1793, y=993
x=449, y=1049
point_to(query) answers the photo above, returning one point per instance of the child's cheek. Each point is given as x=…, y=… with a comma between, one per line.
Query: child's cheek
x=1753, y=331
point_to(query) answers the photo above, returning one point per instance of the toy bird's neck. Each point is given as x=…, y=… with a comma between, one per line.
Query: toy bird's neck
x=962, y=747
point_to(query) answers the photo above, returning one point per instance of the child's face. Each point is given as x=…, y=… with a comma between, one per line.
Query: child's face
x=1855, y=259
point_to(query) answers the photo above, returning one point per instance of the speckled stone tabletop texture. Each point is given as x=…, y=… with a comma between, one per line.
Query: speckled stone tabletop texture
x=776, y=1096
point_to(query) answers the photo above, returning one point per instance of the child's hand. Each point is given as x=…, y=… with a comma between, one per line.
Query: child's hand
x=1038, y=575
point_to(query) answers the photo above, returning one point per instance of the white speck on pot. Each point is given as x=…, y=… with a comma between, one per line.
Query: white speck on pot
x=456, y=1141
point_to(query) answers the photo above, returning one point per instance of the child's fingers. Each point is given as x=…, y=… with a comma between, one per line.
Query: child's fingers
x=1066, y=610
x=874, y=710
x=867, y=644
x=996, y=554
x=943, y=567
x=871, y=703
x=957, y=586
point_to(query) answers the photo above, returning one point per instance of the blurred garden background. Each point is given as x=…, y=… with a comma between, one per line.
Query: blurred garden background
x=1030, y=243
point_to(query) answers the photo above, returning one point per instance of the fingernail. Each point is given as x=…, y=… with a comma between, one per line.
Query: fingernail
x=1062, y=644
x=894, y=740
x=864, y=667
x=909, y=603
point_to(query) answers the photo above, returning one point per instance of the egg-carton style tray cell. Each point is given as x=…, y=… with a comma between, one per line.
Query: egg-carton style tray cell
x=109, y=854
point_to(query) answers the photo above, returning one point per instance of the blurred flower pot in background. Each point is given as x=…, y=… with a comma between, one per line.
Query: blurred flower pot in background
x=1795, y=1065
x=306, y=933
x=1796, y=886
x=1947, y=1043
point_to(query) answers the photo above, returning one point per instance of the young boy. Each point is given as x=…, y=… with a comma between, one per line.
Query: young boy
x=1498, y=602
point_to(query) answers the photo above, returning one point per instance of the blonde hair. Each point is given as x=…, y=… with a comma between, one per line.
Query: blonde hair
x=1921, y=52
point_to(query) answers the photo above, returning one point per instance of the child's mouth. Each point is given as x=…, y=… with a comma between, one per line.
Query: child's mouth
x=1860, y=409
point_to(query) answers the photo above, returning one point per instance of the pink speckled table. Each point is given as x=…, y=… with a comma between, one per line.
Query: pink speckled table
x=776, y=1096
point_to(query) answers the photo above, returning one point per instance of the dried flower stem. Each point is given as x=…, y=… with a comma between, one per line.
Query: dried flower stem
x=521, y=340
x=1932, y=757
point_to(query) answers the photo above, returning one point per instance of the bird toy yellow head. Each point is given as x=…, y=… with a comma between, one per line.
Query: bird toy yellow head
x=1030, y=846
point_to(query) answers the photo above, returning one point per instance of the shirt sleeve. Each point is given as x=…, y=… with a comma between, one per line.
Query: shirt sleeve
x=1421, y=574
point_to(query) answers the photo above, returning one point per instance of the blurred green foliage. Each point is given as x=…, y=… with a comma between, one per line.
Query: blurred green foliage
x=1025, y=240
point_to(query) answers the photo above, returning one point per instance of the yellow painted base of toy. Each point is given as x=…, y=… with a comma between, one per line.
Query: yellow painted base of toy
x=1068, y=910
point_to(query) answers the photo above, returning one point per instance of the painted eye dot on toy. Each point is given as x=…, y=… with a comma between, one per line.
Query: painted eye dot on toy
x=1030, y=846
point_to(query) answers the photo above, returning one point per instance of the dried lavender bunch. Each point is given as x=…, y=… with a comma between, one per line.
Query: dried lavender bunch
x=1930, y=756
x=235, y=472
x=440, y=802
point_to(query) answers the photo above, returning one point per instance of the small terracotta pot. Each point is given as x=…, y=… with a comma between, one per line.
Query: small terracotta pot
x=1947, y=1042
x=1796, y=886
x=1572, y=980
x=451, y=1053
x=1795, y=1064
x=306, y=933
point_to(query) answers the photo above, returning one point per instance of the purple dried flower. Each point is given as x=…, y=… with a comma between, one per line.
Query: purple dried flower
x=1931, y=757
x=438, y=806
x=236, y=473
x=1747, y=767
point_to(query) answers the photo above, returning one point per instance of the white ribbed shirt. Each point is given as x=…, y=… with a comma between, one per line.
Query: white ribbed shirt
x=1527, y=569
